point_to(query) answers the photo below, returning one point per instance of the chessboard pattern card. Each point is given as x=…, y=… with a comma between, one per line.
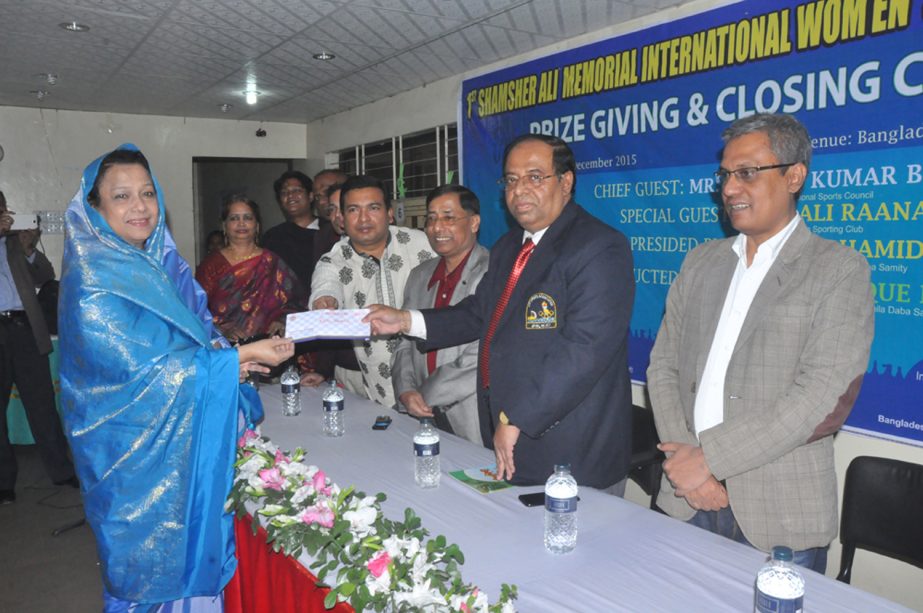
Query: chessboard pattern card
x=327, y=323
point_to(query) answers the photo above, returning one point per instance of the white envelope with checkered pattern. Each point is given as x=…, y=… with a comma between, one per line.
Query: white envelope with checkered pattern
x=327, y=323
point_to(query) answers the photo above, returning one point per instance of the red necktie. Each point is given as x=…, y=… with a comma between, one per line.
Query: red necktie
x=518, y=266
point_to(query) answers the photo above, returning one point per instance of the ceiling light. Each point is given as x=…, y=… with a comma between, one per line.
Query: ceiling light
x=73, y=26
x=323, y=56
x=225, y=107
x=39, y=93
x=50, y=78
x=251, y=95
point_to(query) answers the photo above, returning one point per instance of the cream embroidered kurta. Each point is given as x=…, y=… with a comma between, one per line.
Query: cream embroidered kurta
x=356, y=281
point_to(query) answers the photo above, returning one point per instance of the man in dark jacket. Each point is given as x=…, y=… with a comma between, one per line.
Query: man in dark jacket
x=24, y=348
x=552, y=315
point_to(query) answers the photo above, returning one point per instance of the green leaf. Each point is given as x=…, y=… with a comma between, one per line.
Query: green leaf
x=330, y=600
x=344, y=494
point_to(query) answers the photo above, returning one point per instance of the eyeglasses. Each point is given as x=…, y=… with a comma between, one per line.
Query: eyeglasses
x=533, y=180
x=446, y=220
x=745, y=175
x=285, y=193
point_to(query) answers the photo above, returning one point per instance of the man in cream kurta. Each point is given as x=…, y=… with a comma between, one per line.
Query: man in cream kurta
x=369, y=265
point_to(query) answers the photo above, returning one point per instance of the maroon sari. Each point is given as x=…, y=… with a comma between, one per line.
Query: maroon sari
x=247, y=297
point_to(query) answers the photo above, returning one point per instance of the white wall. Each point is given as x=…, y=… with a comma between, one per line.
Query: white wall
x=47, y=150
x=437, y=104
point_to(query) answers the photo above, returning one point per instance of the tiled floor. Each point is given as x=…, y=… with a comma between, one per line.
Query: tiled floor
x=41, y=573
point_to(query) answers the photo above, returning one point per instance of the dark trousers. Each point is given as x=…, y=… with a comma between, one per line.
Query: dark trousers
x=22, y=364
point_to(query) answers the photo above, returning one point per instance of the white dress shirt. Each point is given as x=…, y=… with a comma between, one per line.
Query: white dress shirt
x=709, y=401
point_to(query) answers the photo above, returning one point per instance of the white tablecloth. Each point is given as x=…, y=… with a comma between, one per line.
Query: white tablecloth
x=628, y=558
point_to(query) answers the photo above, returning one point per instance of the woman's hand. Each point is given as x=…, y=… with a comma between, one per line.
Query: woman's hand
x=269, y=351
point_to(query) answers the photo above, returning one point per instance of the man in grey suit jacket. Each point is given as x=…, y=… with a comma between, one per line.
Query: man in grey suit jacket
x=24, y=349
x=760, y=356
x=443, y=383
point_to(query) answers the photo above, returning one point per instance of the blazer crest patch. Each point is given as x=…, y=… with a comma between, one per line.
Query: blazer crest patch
x=541, y=312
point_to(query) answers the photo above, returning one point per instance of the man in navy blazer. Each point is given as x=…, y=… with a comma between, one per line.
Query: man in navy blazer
x=559, y=389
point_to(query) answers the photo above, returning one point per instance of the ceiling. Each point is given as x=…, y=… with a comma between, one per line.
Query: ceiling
x=188, y=57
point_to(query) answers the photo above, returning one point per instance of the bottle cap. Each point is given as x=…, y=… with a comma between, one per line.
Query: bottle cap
x=426, y=421
x=561, y=468
x=781, y=552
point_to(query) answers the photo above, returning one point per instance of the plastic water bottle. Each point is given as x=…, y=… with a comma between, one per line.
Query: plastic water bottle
x=291, y=391
x=253, y=380
x=779, y=586
x=333, y=410
x=561, y=510
x=426, y=454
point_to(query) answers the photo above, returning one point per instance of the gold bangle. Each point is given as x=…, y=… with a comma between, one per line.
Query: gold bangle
x=504, y=419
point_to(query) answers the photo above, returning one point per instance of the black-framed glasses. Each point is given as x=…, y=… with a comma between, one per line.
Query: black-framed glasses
x=532, y=180
x=446, y=220
x=746, y=174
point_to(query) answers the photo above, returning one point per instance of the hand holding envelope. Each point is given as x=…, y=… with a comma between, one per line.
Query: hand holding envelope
x=327, y=324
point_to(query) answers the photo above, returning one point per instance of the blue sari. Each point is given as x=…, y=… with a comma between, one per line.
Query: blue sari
x=150, y=408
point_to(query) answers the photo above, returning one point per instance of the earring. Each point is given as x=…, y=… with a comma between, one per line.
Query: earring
x=225, y=235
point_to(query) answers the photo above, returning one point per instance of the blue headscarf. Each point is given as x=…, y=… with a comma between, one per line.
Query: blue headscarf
x=150, y=408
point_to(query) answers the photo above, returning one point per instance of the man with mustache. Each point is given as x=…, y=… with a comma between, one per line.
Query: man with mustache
x=369, y=265
x=553, y=384
x=442, y=383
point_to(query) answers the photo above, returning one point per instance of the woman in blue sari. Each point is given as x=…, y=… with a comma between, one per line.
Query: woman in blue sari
x=150, y=395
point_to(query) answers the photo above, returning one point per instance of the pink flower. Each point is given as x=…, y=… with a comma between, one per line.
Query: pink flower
x=320, y=483
x=318, y=514
x=280, y=457
x=379, y=563
x=272, y=478
x=246, y=436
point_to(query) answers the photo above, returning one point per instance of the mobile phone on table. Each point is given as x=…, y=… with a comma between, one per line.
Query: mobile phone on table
x=534, y=500
x=381, y=422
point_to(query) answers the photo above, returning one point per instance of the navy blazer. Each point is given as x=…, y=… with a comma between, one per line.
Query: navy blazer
x=559, y=357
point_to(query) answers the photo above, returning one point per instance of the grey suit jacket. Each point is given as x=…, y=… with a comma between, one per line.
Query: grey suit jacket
x=793, y=377
x=28, y=277
x=453, y=385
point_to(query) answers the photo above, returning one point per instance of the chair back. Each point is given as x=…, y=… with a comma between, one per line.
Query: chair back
x=646, y=459
x=882, y=511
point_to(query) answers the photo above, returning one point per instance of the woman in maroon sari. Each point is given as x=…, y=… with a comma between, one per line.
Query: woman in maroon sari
x=250, y=289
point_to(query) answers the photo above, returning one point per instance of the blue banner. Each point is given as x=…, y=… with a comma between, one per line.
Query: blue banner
x=643, y=113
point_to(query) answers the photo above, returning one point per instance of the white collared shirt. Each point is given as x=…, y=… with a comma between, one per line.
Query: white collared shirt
x=709, y=400
x=535, y=237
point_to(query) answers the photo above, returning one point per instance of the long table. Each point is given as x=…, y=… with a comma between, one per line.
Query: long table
x=628, y=558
